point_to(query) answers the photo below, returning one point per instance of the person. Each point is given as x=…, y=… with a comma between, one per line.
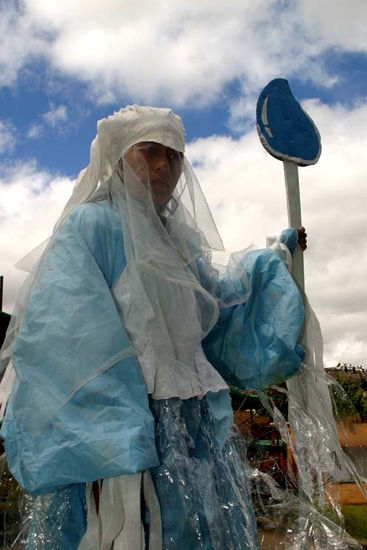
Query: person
x=119, y=420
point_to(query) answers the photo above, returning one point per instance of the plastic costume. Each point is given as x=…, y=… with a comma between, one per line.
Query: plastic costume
x=124, y=348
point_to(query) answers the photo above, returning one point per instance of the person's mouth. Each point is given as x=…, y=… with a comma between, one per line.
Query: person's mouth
x=160, y=181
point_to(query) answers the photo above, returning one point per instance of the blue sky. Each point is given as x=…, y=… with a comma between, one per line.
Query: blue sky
x=64, y=65
x=65, y=146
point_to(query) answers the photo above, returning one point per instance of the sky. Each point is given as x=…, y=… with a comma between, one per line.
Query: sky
x=64, y=65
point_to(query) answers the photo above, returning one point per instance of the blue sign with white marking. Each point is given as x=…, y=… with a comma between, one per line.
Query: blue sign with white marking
x=285, y=130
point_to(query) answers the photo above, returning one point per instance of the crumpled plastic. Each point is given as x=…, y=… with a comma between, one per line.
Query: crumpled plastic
x=211, y=491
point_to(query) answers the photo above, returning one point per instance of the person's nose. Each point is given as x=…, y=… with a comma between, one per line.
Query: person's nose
x=161, y=163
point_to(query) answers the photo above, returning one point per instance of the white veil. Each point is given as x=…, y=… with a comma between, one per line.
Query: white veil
x=165, y=309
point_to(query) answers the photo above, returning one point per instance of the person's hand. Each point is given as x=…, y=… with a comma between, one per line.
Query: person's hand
x=302, y=237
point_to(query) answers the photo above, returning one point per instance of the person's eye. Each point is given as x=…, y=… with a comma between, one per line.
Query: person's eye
x=174, y=156
x=148, y=149
x=151, y=149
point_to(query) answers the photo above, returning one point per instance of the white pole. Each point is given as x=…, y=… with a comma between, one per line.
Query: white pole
x=294, y=217
x=297, y=393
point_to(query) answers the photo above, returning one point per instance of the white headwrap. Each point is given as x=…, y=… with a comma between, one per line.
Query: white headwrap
x=115, y=135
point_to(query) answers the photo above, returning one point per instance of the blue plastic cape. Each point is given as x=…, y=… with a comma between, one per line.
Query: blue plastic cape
x=254, y=344
x=72, y=326
x=75, y=414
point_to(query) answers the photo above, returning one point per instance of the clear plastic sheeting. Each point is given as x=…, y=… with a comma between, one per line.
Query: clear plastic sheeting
x=40, y=531
x=291, y=522
x=312, y=435
x=305, y=508
x=43, y=522
x=202, y=482
x=316, y=447
x=210, y=496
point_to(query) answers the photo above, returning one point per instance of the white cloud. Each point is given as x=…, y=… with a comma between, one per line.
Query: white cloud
x=34, y=200
x=7, y=136
x=35, y=131
x=245, y=189
x=337, y=22
x=55, y=115
x=180, y=51
x=22, y=40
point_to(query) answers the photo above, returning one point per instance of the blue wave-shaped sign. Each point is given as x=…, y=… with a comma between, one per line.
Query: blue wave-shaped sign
x=285, y=130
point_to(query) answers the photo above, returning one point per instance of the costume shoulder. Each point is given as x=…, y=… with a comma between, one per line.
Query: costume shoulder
x=99, y=225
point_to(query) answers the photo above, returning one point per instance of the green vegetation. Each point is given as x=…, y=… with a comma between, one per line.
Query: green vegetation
x=351, y=401
x=10, y=521
x=249, y=399
x=355, y=520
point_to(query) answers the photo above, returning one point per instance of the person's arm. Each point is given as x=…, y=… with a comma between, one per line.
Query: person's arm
x=254, y=343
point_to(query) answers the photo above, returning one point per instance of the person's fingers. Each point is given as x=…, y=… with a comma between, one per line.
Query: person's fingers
x=302, y=238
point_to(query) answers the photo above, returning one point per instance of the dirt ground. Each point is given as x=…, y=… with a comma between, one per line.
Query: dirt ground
x=270, y=540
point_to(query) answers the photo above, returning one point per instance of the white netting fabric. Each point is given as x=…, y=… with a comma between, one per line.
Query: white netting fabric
x=168, y=233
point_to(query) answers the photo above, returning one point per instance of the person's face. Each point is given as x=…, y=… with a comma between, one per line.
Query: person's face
x=157, y=164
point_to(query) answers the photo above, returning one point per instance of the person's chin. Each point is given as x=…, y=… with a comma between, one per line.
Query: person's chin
x=160, y=183
x=161, y=196
x=160, y=201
